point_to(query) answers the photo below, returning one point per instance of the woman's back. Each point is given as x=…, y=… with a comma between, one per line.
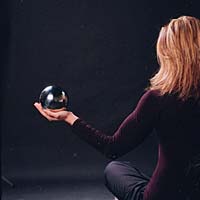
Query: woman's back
x=178, y=132
x=179, y=126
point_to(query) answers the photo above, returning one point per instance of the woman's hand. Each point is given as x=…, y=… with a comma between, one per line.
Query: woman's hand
x=57, y=115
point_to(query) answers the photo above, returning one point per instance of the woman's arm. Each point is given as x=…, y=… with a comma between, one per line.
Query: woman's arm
x=130, y=133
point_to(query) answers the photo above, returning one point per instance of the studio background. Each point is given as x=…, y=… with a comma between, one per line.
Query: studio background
x=102, y=53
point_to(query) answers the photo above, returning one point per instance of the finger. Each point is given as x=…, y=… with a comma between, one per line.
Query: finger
x=50, y=118
x=40, y=109
x=38, y=105
x=57, y=110
x=51, y=114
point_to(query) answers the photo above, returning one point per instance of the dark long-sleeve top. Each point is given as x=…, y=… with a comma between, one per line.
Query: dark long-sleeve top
x=177, y=124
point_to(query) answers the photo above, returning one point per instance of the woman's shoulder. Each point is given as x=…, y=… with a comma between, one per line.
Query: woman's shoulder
x=170, y=100
x=149, y=99
x=158, y=96
x=154, y=98
x=151, y=95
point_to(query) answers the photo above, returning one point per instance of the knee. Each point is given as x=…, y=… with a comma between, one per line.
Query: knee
x=111, y=171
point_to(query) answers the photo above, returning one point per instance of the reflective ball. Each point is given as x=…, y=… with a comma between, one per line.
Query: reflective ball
x=53, y=97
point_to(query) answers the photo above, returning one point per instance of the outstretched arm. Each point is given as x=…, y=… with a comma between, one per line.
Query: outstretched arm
x=130, y=133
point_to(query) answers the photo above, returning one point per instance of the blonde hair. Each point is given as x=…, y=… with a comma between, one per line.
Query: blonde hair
x=178, y=54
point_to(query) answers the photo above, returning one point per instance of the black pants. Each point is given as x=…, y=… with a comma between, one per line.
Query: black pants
x=125, y=181
x=128, y=183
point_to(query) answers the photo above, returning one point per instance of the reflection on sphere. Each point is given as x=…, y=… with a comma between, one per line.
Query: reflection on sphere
x=53, y=97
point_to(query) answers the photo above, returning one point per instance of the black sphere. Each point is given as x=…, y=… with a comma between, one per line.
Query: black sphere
x=53, y=97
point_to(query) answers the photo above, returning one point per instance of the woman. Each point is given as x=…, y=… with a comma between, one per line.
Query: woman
x=171, y=105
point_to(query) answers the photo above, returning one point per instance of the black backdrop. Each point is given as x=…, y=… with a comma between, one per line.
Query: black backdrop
x=101, y=52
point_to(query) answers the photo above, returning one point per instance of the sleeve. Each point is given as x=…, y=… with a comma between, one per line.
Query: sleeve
x=130, y=133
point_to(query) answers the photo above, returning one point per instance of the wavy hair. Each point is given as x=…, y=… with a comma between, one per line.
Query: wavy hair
x=178, y=54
